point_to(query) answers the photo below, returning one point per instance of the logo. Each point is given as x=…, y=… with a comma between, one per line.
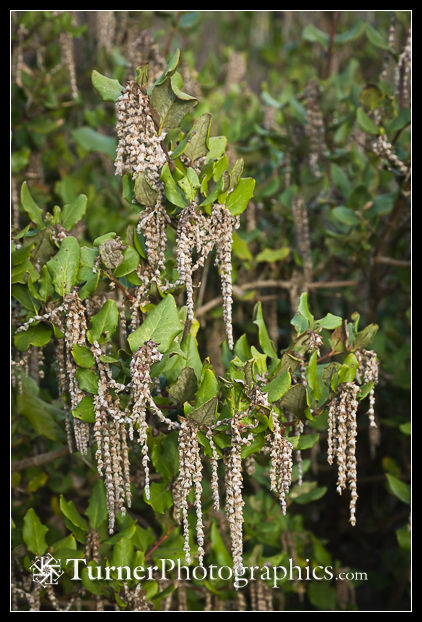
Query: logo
x=46, y=570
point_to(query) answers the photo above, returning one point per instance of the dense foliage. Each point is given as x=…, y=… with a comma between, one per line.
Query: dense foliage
x=211, y=305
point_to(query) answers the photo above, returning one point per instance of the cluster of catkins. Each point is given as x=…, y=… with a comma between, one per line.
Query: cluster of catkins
x=314, y=126
x=198, y=234
x=143, y=51
x=342, y=431
x=402, y=70
x=143, y=402
x=140, y=152
x=342, y=425
x=302, y=235
x=368, y=372
x=391, y=44
x=190, y=476
x=70, y=319
x=67, y=54
x=105, y=29
x=384, y=149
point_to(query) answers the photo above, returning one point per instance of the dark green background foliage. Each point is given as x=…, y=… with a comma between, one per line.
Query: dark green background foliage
x=250, y=70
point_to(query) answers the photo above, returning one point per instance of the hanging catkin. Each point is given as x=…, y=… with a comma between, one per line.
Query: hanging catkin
x=342, y=431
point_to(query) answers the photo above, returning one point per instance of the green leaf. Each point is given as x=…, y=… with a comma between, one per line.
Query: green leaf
x=403, y=118
x=219, y=548
x=240, y=248
x=264, y=339
x=165, y=456
x=404, y=538
x=83, y=356
x=371, y=97
x=242, y=349
x=41, y=415
x=278, y=386
x=130, y=262
x=312, y=377
x=315, y=35
x=254, y=447
x=85, y=409
x=352, y=34
x=365, y=390
x=366, y=123
x=172, y=191
x=208, y=387
x=312, y=495
x=103, y=238
x=122, y=553
x=306, y=441
x=104, y=323
x=398, y=488
x=97, y=506
x=87, y=380
x=299, y=323
x=64, y=266
x=162, y=324
x=30, y=207
x=377, y=38
x=38, y=334
x=190, y=19
x=34, y=532
x=345, y=215
x=340, y=179
x=160, y=498
x=206, y=413
x=197, y=145
x=271, y=255
x=365, y=337
x=145, y=194
x=294, y=400
x=91, y=140
x=237, y=200
x=303, y=308
x=169, y=103
x=406, y=428
x=73, y=212
x=322, y=595
x=169, y=70
x=329, y=321
x=347, y=371
x=217, y=146
x=69, y=510
x=185, y=387
x=108, y=89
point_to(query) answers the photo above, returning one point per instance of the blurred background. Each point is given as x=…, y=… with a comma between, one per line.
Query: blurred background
x=301, y=97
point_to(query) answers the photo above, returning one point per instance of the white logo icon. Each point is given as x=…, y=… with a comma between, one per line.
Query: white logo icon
x=46, y=570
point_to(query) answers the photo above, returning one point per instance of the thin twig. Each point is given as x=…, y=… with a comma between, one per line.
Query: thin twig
x=261, y=284
x=404, y=263
x=19, y=465
x=160, y=541
x=117, y=282
x=172, y=33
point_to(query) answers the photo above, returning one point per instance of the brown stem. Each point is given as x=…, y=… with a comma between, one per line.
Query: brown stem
x=117, y=282
x=172, y=33
x=160, y=541
x=19, y=465
x=331, y=43
x=393, y=262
